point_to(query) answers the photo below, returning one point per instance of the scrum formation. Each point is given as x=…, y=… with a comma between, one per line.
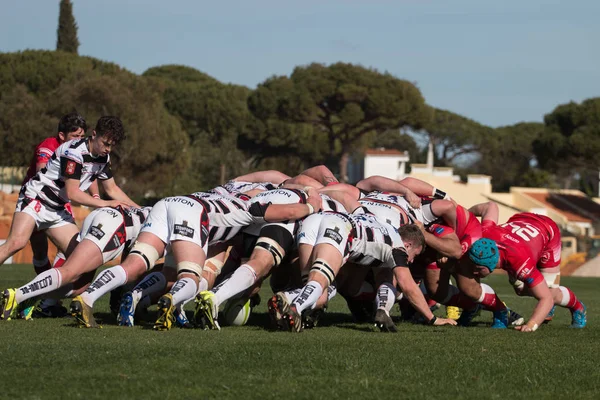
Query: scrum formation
x=309, y=237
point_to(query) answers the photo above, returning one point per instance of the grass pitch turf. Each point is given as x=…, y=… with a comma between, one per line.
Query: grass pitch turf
x=45, y=359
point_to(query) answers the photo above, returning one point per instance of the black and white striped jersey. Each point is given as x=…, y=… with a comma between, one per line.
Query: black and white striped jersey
x=227, y=215
x=329, y=204
x=72, y=160
x=375, y=243
x=235, y=187
x=395, y=210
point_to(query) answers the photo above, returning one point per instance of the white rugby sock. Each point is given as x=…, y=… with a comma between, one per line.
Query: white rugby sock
x=152, y=283
x=386, y=297
x=106, y=281
x=44, y=283
x=309, y=296
x=243, y=278
x=182, y=290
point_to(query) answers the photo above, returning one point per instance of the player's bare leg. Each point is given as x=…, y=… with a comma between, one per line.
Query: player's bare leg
x=327, y=261
x=20, y=231
x=142, y=257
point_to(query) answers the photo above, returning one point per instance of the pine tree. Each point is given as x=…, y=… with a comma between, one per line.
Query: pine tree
x=67, y=29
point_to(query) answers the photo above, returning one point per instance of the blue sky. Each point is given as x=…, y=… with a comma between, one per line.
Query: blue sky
x=498, y=62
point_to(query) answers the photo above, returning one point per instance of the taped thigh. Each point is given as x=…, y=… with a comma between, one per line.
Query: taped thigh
x=146, y=252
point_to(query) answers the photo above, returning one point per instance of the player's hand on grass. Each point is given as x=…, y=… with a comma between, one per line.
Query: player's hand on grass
x=444, y=321
x=525, y=328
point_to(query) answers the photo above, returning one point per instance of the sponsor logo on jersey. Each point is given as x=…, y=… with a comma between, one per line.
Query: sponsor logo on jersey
x=439, y=230
x=333, y=234
x=70, y=167
x=181, y=200
x=523, y=271
x=147, y=225
x=183, y=230
x=97, y=232
x=112, y=213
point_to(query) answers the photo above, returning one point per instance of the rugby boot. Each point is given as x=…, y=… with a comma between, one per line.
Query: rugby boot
x=277, y=306
x=9, y=305
x=384, y=322
x=126, y=314
x=166, y=317
x=206, y=310
x=579, y=318
x=83, y=314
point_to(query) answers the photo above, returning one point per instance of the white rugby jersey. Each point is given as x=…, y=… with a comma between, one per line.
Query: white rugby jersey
x=72, y=160
x=329, y=204
x=380, y=205
x=227, y=214
x=276, y=196
x=234, y=187
x=376, y=243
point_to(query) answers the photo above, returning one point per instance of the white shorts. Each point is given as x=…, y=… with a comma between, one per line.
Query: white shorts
x=178, y=218
x=309, y=229
x=336, y=229
x=105, y=227
x=549, y=277
x=44, y=216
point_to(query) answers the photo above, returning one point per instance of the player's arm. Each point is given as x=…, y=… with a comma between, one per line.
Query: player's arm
x=348, y=201
x=272, y=176
x=93, y=190
x=542, y=292
x=114, y=192
x=42, y=155
x=302, y=181
x=78, y=196
x=389, y=185
x=321, y=174
x=447, y=245
x=488, y=211
x=291, y=212
x=411, y=290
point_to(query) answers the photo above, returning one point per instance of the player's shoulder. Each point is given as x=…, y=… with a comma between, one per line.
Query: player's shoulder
x=50, y=143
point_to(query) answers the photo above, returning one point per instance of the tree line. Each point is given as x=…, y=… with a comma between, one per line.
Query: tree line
x=187, y=131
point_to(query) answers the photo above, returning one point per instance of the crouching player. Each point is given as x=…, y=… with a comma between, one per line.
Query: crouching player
x=528, y=247
x=106, y=233
x=362, y=239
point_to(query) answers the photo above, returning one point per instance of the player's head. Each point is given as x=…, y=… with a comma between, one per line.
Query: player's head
x=413, y=240
x=485, y=255
x=109, y=132
x=71, y=126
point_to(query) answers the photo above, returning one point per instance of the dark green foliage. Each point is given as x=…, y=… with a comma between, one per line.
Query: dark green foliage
x=41, y=86
x=67, y=29
x=342, y=102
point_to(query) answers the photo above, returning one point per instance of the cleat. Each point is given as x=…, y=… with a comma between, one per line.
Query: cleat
x=452, y=312
x=467, y=316
x=255, y=300
x=181, y=319
x=83, y=314
x=277, y=306
x=579, y=318
x=49, y=310
x=125, y=316
x=206, y=310
x=26, y=309
x=384, y=322
x=115, y=301
x=165, y=319
x=311, y=318
x=515, y=319
x=9, y=305
x=550, y=315
x=501, y=318
x=293, y=319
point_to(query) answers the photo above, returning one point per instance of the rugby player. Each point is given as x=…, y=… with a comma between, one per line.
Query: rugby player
x=106, y=233
x=528, y=247
x=364, y=240
x=69, y=173
x=188, y=225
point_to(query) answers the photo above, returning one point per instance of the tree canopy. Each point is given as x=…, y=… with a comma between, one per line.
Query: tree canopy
x=67, y=29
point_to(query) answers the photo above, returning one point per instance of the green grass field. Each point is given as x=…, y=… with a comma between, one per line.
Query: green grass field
x=45, y=359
